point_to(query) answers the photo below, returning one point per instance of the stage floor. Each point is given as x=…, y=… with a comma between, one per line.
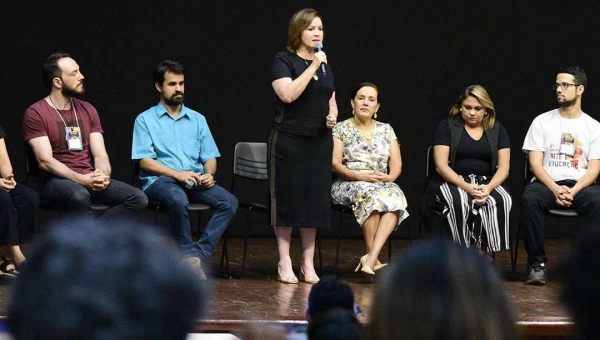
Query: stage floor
x=258, y=296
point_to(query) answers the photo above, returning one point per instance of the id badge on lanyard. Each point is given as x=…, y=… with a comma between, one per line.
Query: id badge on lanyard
x=73, y=136
x=567, y=144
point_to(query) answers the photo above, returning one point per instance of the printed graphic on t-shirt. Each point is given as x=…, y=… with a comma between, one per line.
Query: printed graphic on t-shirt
x=569, y=152
x=567, y=144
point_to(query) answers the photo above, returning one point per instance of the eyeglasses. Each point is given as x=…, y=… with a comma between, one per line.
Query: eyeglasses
x=564, y=86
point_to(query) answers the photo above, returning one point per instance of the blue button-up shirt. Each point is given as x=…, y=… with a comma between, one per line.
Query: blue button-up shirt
x=183, y=144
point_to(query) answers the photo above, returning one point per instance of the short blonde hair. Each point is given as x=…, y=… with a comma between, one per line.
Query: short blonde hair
x=298, y=23
x=480, y=93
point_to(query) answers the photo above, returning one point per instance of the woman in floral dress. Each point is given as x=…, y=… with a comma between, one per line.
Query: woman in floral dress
x=366, y=162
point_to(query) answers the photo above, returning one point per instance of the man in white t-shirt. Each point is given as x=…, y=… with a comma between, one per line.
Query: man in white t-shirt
x=564, y=156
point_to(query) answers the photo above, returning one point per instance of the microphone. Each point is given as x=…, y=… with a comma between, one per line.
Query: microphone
x=319, y=47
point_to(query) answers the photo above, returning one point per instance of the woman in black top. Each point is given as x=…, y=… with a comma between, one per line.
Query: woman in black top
x=300, y=144
x=18, y=205
x=472, y=155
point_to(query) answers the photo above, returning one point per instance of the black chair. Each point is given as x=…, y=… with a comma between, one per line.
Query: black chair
x=249, y=163
x=32, y=170
x=430, y=172
x=429, y=176
x=343, y=209
x=558, y=212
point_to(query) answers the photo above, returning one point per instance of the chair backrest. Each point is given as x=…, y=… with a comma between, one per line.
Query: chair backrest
x=430, y=169
x=31, y=163
x=250, y=160
x=135, y=171
x=527, y=174
x=33, y=176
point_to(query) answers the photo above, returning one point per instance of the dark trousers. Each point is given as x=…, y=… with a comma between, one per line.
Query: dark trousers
x=76, y=199
x=538, y=199
x=17, y=215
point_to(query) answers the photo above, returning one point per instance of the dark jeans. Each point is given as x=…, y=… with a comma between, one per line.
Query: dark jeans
x=76, y=199
x=175, y=198
x=538, y=199
x=17, y=215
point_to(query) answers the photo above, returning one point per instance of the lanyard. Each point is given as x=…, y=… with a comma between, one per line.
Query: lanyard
x=61, y=116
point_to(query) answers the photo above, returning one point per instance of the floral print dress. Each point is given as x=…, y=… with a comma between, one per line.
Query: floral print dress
x=359, y=156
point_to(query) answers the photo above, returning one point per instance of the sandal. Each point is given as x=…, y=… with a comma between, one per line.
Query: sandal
x=4, y=271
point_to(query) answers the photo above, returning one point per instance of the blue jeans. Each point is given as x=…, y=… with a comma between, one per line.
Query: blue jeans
x=175, y=198
x=76, y=199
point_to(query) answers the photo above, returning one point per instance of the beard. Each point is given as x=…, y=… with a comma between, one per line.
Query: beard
x=568, y=103
x=72, y=91
x=173, y=100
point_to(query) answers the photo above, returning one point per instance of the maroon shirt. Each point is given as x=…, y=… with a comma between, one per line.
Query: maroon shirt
x=41, y=119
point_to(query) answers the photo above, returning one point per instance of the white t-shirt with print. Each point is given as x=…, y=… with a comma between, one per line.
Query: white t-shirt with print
x=567, y=144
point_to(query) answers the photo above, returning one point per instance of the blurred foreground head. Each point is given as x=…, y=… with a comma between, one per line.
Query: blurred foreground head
x=106, y=282
x=581, y=276
x=439, y=290
x=330, y=292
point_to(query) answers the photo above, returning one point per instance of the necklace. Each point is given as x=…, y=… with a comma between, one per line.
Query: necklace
x=366, y=135
x=315, y=76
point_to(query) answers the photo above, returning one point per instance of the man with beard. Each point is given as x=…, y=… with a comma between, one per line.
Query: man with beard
x=564, y=156
x=65, y=136
x=178, y=160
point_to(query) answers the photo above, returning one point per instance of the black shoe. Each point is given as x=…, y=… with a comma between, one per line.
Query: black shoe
x=538, y=274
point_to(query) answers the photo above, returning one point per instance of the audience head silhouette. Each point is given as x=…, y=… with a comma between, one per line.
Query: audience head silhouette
x=330, y=292
x=335, y=324
x=104, y=282
x=581, y=273
x=440, y=290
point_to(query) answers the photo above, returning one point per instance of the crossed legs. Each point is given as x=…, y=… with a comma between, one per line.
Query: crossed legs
x=377, y=228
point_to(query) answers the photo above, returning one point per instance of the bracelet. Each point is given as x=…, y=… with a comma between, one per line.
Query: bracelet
x=208, y=172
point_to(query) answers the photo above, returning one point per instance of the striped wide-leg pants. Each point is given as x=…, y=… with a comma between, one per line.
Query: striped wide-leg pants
x=484, y=226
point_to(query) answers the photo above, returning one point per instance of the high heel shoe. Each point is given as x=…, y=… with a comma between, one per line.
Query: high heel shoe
x=308, y=279
x=379, y=266
x=286, y=279
x=362, y=266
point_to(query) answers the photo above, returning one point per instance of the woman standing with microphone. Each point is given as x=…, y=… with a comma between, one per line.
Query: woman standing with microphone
x=300, y=144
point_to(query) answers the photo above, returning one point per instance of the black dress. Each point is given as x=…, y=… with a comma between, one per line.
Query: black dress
x=300, y=149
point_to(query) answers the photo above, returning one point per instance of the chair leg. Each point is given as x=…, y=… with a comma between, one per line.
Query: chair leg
x=245, y=242
x=409, y=233
x=318, y=241
x=156, y=215
x=513, y=259
x=224, y=253
x=339, y=242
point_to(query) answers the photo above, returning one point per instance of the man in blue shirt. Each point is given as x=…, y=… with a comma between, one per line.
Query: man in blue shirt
x=177, y=158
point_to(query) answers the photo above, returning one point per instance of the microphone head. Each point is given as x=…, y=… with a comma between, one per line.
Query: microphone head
x=318, y=44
